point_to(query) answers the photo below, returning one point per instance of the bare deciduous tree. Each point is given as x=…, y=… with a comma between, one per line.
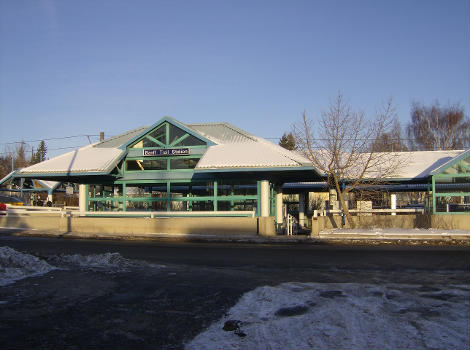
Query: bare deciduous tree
x=343, y=144
x=438, y=128
x=393, y=140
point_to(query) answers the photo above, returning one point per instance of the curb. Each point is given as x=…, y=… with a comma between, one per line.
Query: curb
x=323, y=239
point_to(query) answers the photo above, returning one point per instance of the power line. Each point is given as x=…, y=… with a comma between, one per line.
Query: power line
x=52, y=149
x=49, y=139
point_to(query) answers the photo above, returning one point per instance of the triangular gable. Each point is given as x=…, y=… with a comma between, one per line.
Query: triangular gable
x=463, y=160
x=166, y=133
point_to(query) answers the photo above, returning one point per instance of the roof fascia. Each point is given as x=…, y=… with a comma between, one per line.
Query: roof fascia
x=37, y=176
x=8, y=177
x=170, y=121
x=225, y=170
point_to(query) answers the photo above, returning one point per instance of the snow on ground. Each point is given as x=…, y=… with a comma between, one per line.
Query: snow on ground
x=397, y=231
x=344, y=316
x=112, y=262
x=15, y=266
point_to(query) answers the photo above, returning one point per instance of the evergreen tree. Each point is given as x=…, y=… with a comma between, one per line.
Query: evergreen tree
x=288, y=141
x=42, y=151
x=40, y=154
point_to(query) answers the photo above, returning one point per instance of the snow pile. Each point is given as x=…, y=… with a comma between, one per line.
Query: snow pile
x=396, y=231
x=343, y=316
x=15, y=266
x=107, y=261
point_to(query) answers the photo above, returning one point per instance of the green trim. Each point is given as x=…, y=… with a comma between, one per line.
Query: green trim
x=167, y=120
x=87, y=197
x=154, y=140
x=215, y=196
x=236, y=170
x=167, y=133
x=447, y=176
x=185, y=136
x=159, y=214
x=451, y=163
x=258, y=198
x=453, y=194
x=168, y=196
x=124, y=195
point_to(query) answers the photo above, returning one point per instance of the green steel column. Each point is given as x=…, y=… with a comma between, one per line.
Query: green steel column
x=433, y=195
x=258, y=200
x=87, y=196
x=190, y=203
x=215, y=196
x=168, y=196
x=21, y=188
x=167, y=132
x=124, y=197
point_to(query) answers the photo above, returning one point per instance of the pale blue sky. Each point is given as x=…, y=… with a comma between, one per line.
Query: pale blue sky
x=79, y=67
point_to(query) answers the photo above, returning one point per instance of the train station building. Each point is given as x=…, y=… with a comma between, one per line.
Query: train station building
x=171, y=169
x=180, y=169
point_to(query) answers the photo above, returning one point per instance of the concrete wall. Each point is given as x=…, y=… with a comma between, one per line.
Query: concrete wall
x=425, y=221
x=199, y=225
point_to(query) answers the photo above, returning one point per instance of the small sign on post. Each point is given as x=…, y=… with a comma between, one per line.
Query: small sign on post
x=69, y=190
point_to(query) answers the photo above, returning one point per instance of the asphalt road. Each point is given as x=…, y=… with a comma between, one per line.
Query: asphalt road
x=189, y=286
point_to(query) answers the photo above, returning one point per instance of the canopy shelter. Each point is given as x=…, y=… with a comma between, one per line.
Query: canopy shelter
x=171, y=166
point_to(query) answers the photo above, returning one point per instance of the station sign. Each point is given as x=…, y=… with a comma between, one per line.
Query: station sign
x=165, y=152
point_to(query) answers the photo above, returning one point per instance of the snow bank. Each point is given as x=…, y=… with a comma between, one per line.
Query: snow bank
x=105, y=261
x=15, y=266
x=396, y=231
x=347, y=316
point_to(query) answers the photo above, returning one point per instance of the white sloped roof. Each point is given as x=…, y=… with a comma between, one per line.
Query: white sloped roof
x=87, y=159
x=235, y=148
x=420, y=164
x=397, y=165
x=245, y=155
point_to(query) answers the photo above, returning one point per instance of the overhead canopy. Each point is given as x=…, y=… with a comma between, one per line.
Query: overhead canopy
x=227, y=149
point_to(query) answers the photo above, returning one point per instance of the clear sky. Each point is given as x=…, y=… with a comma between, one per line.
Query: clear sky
x=79, y=67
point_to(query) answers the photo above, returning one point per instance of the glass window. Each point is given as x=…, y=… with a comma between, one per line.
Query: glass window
x=139, y=144
x=237, y=189
x=146, y=142
x=191, y=141
x=183, y=163
x=175, y=133
x=160, y=134
x=146, y=164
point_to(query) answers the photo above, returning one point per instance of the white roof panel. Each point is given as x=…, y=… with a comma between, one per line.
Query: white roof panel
x=87, y=159
x=249, y=155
